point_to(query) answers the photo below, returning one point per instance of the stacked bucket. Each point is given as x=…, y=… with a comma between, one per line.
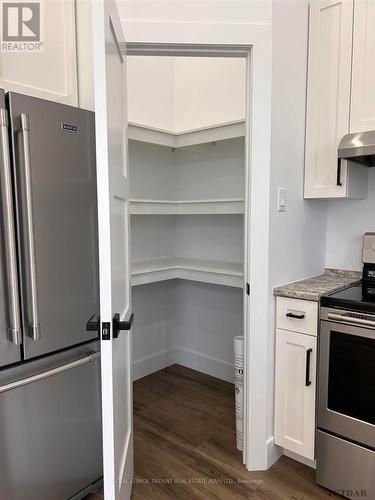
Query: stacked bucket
x=238, y=380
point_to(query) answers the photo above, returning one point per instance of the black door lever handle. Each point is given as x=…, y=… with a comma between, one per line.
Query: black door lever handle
x=121, y=325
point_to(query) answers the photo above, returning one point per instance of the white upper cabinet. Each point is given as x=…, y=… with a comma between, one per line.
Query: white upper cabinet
x=63, y=70
x=51, y=72
x=329, y=102
x=362, y=116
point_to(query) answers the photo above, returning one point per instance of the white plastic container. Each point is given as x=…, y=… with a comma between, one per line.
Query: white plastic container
x=239, y=401
x=239, y=433
x=239, y=391
x=238, y=361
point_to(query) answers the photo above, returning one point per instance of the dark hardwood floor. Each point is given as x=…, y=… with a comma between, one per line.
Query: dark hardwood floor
x=184, y=438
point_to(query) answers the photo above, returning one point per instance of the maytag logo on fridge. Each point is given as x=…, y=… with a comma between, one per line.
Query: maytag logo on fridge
x=22, y=26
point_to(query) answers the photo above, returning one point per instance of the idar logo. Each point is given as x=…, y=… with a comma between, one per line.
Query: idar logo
x=352, y=493
x=21, y=26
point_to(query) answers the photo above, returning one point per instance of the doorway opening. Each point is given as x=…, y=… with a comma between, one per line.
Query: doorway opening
x=188, y=169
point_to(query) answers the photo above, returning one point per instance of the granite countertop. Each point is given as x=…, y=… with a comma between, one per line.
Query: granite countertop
x=313, y=288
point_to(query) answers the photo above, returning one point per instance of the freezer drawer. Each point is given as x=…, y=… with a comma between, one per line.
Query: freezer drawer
x=50, y=428
x=55, y=187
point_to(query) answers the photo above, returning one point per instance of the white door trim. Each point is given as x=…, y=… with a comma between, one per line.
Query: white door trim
x=258, y=445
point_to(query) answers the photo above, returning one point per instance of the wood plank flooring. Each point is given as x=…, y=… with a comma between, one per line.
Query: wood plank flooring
x=184, y=438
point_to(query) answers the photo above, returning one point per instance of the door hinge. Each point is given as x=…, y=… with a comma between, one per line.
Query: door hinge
x=106, y=331
x=247, y=288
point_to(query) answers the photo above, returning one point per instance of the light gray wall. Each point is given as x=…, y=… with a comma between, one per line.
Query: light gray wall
x=186, y=322
x=346, y=223
x=207, y=318
x=153, y=331
x=297, y=236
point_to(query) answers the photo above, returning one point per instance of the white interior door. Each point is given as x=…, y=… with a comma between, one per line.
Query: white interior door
x=113, y=209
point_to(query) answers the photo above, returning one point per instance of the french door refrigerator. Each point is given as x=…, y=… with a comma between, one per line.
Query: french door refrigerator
x=50, y=414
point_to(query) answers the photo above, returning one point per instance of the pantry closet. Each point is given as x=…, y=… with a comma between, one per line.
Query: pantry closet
x=187, y=167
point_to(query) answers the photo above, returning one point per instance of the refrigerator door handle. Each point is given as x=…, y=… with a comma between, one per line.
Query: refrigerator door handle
x=87, y=358
x=14, y=327
x=32, y=293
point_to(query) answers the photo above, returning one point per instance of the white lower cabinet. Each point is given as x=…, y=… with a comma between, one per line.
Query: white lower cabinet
x=295, y=386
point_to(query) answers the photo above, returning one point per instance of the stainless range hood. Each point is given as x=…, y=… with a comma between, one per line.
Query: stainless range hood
x=358, y=148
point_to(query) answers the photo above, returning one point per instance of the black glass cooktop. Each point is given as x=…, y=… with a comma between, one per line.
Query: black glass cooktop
x=359, y=297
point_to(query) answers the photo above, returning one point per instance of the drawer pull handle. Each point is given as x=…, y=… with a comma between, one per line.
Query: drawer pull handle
x=87, y=358
x=295, y=315
x=339, y=182
x=307, y=377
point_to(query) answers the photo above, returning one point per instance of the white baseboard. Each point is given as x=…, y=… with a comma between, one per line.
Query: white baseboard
x=153, y=363
x=298, y=458
x=274, y=452
x=205, y=364
x=185, y=357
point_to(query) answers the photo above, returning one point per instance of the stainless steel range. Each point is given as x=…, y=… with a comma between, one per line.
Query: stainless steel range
x=345, y=440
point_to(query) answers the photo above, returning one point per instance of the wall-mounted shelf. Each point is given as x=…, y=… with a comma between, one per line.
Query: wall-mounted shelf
x=187, y=207
x=187, y=138
x=206, y=271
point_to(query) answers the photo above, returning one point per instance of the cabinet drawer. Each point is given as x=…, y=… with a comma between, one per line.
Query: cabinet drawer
x=297, y=315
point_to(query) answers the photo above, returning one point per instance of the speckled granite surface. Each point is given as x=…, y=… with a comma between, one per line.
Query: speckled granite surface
x=313, y=288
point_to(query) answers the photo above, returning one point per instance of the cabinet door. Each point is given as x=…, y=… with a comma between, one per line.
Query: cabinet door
x=362, y=115
x=328, y=96
x=49, y=72
x=295, y=384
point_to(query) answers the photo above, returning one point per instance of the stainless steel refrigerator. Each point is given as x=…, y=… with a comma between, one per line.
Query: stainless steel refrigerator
x=50, y=411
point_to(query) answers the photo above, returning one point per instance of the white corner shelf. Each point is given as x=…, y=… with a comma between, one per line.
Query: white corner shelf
x=219, y=132
x=186, y=207
x=206, y=271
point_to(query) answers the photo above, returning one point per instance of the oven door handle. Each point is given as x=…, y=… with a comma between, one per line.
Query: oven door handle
x=349, y=319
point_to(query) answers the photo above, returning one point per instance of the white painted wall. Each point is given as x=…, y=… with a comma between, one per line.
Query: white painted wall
x=154, y=327
x=151, y=91
x=211, y=237
x=208, y=90
x=203, y=171
x=212, y=11
x=207, y=318
x=186, y=322
x=184, y=93
x=211, y=170
x=153, y=171
x=347, y=221
x=152, y=236
x=297, y=236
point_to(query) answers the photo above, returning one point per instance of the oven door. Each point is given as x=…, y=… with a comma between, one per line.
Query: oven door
x=346, y=403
